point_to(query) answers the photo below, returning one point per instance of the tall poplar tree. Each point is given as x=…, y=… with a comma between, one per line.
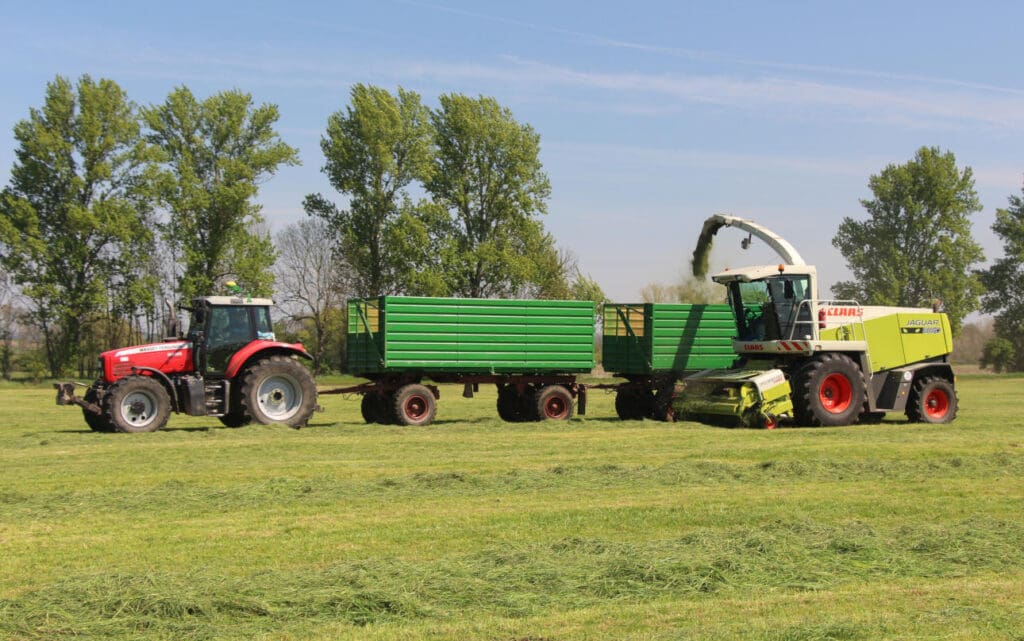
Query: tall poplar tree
x=217, y=152
x=75, y=218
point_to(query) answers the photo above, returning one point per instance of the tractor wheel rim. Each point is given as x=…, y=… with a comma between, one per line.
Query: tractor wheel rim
x=554, y=407
x=835, y=393
x=416, y=407
x=279, y=397
x=138, y=408
x=936, y=403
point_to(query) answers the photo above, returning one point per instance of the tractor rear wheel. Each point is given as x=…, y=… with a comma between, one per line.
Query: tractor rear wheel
x=932, y=400
x=829, y=390
x=137, y=404
x=414, y=404
x=96, y=422
x=278, y=390
x=553, y=403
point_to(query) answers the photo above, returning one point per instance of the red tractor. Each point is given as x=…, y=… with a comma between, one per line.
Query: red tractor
x=229, y=366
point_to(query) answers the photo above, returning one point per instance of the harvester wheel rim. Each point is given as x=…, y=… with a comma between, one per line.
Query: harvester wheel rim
x=835, y=393
x=936, y=403
x=770, y=422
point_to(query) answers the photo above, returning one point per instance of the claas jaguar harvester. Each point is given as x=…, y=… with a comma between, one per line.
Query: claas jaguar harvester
x=228, y=366
x=818, y=362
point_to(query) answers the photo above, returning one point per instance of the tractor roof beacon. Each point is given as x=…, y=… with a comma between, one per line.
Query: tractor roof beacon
x=229, y=365
x=843, y=362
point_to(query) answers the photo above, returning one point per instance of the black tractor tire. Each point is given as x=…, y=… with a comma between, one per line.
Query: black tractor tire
x=932, y=400
x=137, y=404
x=96, y=422
x=414, y=404
x=828, y=390
x=509, y=404
x=278, y=390
x=235, y=419
x=553, y=403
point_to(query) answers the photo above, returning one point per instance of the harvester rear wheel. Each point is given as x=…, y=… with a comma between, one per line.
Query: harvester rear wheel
x=414, y=405
x=932, y=400
x=554, y=403
x=829, y=390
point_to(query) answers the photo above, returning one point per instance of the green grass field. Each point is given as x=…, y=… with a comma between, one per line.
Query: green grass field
x=476, y=529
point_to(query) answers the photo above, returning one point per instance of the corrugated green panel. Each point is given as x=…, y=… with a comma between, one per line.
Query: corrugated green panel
x=465, y=335
x=660, y=337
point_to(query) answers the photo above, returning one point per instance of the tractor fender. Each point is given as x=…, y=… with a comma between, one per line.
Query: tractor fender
x=262, y=349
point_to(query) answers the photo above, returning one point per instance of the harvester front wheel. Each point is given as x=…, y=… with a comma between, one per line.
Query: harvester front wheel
x=554, y=403
x=932, y=400
x=278, y=390
x=829, y=390
x=138, y=404
x=414, y=405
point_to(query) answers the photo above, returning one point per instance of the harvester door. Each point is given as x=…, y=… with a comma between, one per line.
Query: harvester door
x=229, y=330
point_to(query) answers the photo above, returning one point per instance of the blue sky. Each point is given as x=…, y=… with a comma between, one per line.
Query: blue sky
x=652, y=115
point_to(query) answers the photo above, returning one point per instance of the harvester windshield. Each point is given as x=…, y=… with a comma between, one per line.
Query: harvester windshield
x=771, y=308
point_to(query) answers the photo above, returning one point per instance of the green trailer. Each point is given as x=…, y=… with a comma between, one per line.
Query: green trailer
x=653, y=345
x=531, y=349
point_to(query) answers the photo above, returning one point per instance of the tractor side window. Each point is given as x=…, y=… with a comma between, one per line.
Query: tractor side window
x=230, y=329
x=264, y=328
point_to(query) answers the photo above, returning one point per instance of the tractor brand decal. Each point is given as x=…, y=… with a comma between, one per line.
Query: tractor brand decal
x=146, y=349
x=753, y=348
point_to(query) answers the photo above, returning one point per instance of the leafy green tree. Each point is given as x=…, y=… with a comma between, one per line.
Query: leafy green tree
x=216, y=153
x=916, y=247
x=488, y=175
x=374, y=150
x=1004, y=281
x=76, y=215
x=1000, y=354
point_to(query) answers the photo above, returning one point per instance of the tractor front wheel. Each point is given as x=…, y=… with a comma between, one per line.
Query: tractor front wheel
x=96, y=422
x=278, y=390
x=829, y=390
x=932, y=400
x=414, y=404
x=137, y=404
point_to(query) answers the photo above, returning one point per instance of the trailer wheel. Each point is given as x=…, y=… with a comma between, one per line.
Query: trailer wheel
x=278, y=390
x=932, y=400
x=375, y=408
x=554, y=403
x=509, y=404
x=632, y=404
x=96, y=422
x=829, y=390
x=414, y=405
x=661, y=403
x=138, y=404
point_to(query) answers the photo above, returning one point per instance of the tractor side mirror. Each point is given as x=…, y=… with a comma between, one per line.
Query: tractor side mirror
x=172, y=328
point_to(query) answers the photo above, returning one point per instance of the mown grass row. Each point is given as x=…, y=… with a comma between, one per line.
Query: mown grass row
x=474, y=529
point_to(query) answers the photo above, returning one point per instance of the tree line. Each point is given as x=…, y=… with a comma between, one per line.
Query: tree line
x=112, y=207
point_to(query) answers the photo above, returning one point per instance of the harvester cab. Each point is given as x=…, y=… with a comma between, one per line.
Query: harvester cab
x=228, y=365
x=842, y=362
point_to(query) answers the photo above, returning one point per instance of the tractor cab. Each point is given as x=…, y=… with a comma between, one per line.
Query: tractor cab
x=772, y=303
x=220, y=326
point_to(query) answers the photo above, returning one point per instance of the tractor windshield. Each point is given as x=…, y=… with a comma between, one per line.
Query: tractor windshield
x=770, y=308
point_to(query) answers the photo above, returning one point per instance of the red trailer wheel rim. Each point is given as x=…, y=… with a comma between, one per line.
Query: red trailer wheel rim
x=415, y=407
x=554, y=407
x=936, y=403
x=835, y=393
